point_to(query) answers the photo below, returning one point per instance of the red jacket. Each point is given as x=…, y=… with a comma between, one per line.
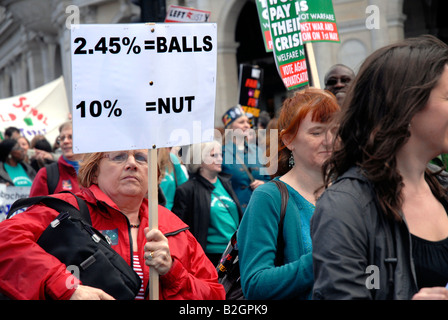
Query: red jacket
x=68, y=180
x=28, y=272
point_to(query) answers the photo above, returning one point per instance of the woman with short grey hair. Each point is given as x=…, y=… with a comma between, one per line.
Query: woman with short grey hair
x=207, y=202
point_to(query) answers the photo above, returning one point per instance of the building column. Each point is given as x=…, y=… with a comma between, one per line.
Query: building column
x=5, y=82
x=33, y=54
x=19, y=76
x=226, y=14
x=227, y=79
x=49, y=61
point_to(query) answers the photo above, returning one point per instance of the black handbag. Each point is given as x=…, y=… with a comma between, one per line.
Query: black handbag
x=83, y=249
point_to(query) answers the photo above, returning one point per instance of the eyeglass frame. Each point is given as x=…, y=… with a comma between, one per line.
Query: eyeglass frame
x=144, y=162
x=60, y=139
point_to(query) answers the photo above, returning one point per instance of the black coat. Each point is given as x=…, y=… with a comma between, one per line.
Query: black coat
x=357, y=252
x=192, y=203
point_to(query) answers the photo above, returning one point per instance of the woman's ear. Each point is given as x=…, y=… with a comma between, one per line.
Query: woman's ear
x=95, y=177
x=286, y=139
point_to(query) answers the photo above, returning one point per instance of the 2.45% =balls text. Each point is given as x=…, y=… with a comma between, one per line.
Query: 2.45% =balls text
x=96, y=108
x=113, y=45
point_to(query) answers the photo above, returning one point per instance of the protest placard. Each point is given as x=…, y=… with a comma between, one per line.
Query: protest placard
x=318, y=23
x=263, y=16
x=289, y=53
x=143, y=86
x=136, y=86
x=184, y=14
x=292, y=25
x=250, y=84
x=9, y=194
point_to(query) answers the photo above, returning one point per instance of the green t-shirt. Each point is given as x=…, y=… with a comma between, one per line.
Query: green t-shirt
x=224, y=219
x=18, y=176
x=171, y=181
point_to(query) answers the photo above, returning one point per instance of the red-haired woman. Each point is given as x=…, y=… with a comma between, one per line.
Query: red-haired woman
x=305, y=142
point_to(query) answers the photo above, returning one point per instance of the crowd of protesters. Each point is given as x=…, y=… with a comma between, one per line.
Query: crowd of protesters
x=362, y=161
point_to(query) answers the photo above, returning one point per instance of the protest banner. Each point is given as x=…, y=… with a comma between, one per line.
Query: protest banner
x=288, y=50
x=184, y=14
x=39, y=111
x=9, y=194
x=250, y=84
x=143, y=86
x=294, y=24
x=318, y=23
x=263, y=16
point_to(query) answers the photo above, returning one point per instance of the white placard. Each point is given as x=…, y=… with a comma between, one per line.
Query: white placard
x=8, y=195
x=136, y=86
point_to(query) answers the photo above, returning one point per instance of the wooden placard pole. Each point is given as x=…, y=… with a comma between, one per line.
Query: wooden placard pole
x=153, y=217
x=313, y=65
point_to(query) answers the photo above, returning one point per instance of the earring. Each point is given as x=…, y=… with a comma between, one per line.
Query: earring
x=291, y=160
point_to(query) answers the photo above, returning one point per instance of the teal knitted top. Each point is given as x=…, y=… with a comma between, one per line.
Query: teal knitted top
x=257, y=242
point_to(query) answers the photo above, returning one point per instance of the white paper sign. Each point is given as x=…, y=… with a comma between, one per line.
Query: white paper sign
x=136, y=86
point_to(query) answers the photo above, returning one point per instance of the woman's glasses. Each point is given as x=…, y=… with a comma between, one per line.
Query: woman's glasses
x=62, y=138
x=122, y=157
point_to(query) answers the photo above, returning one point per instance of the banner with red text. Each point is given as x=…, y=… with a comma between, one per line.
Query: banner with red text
x=293, y=23
x=40, y=111
x=289, y=53
x=318, y=22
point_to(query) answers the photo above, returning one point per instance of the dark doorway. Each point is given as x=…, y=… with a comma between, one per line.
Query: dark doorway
x=426, y=17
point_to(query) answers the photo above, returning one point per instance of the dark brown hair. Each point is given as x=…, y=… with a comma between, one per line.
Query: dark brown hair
x=392, y=85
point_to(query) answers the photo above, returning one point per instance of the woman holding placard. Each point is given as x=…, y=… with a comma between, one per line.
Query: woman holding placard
x=115, y=185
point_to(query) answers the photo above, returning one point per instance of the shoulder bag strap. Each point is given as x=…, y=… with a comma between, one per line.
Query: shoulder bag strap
x=54, y=203
x=83, y=211
x=280, y=241
x=246, y=169
x=52, y=176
